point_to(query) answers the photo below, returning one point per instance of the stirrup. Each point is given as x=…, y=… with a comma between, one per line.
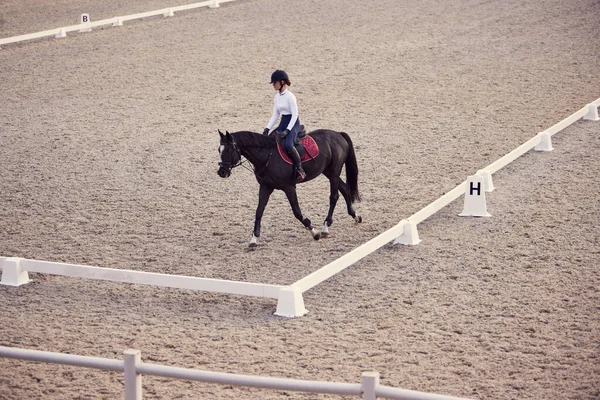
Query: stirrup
x=300, y=175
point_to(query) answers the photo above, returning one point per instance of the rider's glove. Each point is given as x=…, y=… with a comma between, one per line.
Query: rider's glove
x=266, y=131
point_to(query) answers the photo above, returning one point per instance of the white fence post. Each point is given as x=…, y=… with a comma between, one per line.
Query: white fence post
x=475, y=205
x=545, y=142
x=290, y=303
x=592, y=114
x=488, y=183
x=370, y=381
x=133, y=380
x=410, y=235
x=12, y=273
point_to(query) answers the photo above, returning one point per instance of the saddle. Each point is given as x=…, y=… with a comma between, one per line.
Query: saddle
x=305, y=145
x=301, y=133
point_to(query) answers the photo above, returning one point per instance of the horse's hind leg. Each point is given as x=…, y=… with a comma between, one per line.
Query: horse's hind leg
x=263, y=198
x=334, y=195
x=293, y=199
x=346, y=193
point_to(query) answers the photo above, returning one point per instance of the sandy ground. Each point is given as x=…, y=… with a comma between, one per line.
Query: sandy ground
x=108, y=157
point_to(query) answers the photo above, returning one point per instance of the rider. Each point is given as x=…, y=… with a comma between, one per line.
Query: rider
x=285, y=105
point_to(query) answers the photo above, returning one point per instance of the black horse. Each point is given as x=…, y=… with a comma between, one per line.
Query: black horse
x=272, y=172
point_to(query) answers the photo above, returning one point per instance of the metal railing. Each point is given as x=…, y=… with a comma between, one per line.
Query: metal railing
x=133, y=369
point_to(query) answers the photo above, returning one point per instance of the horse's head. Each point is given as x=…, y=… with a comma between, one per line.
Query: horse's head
x=229, y=155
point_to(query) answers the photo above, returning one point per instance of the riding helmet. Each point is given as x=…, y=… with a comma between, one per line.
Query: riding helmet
x=279, y=75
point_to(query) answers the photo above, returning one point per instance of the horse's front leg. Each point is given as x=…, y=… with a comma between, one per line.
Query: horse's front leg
x=293, y=199
x=263, y=198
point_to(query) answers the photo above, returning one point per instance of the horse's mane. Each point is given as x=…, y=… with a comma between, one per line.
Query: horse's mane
x=252, y=139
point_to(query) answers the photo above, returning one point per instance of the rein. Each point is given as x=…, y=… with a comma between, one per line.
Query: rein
x=257, y=173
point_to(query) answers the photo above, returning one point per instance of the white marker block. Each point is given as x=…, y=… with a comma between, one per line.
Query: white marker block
x=12, y=274
x=85, y=20
x=214, y=4
x=410, y=235
x=475, y=205
x=545, y=142
x=61, y=33
x=592, y=114
x=290, y=303
x=118, y=21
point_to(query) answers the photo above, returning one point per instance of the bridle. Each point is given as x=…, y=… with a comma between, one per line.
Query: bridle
x=229, y=166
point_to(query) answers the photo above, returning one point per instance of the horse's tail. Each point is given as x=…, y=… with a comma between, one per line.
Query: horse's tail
x=351, y=170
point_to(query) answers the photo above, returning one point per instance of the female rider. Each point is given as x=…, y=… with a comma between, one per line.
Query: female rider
x=285, y=105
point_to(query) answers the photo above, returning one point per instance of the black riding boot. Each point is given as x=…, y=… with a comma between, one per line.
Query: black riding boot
x=297, y=164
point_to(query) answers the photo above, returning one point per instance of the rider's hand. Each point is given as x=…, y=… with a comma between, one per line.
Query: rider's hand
x=266, y=131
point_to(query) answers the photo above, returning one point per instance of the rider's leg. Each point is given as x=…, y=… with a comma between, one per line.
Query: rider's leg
x=290, y=139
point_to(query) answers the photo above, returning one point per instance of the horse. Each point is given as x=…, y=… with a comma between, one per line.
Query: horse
x=335, y=150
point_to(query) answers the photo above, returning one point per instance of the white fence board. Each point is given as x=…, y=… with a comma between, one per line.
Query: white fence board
x=150, y=278
x=348, y=259
x=576, y=116
x=513, y=155
x=437, y=205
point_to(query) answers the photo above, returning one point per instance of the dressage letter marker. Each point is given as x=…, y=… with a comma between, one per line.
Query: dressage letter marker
x=85, y=20
x=475, y=205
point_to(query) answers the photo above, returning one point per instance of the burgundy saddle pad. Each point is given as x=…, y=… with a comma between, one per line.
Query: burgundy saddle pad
x=311, y=150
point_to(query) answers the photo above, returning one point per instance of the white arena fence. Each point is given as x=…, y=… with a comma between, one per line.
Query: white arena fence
x=133, y=369
x=290, y=302
x=405, y=232
x=86, y=25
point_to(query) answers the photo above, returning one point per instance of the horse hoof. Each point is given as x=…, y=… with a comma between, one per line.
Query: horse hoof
x=315, y=233
x=252, y=245
x=358, y=219
x=324, y=235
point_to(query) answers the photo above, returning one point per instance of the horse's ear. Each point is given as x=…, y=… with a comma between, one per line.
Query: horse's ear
x=220, y=133
x=228, y=135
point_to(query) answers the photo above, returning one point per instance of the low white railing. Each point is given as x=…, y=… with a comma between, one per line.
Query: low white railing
x=15, y=273
x=405, y=232
x=290, y=302
x=133, y=367
x=115, y=21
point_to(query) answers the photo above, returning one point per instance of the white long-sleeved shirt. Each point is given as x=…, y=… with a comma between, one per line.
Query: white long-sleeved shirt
x=284, y=103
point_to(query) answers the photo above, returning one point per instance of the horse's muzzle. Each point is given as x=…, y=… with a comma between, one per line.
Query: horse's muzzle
x=224, y=172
